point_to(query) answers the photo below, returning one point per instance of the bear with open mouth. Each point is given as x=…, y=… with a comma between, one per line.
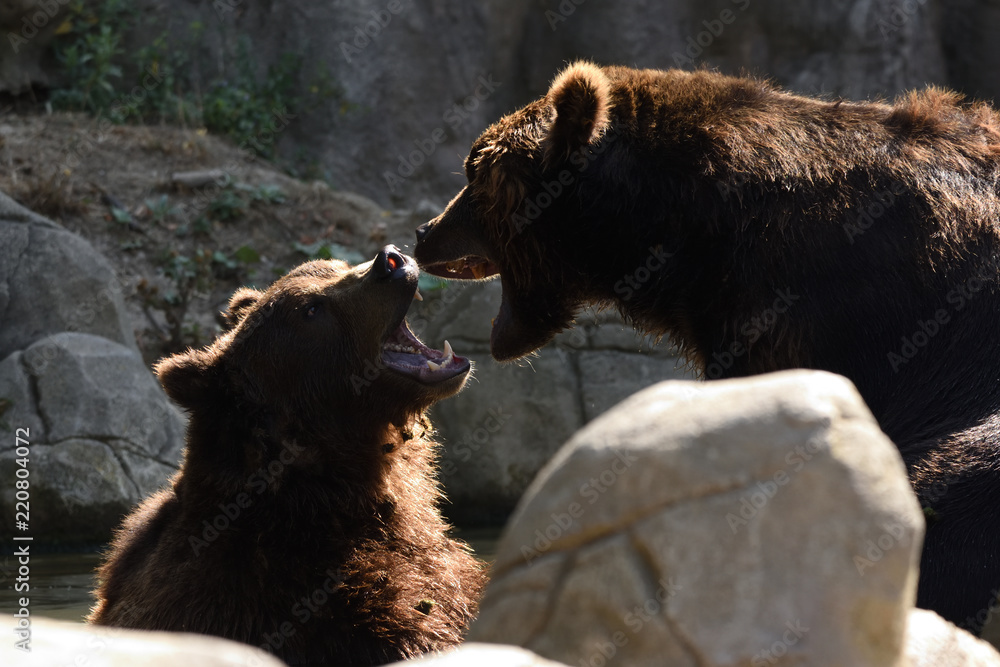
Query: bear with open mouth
x=759, y=231
x=304, y=517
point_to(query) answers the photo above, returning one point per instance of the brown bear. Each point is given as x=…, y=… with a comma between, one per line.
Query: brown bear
x=304, y=517
x=759, y=231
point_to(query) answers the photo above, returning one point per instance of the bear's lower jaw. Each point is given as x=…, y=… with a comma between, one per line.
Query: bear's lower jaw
x=405, y=354
x=511, y=338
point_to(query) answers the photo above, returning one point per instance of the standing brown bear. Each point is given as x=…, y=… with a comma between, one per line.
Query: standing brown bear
x=304, y=518
x=760, y=231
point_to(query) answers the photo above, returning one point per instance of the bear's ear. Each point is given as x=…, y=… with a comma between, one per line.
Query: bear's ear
x=189, y=378
x=581, y=98
x=240, y=304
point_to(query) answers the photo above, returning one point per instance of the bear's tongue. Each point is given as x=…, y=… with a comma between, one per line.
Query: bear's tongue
x=403, y=352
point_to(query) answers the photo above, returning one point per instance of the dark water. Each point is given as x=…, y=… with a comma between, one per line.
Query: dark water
x=61, y=583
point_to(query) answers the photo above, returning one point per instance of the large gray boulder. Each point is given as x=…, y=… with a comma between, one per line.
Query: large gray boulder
x=51, y=280
x=720, y=523
x=64, y=643
x=102, y=436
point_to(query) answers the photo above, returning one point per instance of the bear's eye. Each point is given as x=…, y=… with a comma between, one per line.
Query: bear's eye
x=312, y=309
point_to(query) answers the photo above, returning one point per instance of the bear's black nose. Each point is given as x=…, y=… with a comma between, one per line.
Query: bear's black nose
x=422, y=231
x=389, y=262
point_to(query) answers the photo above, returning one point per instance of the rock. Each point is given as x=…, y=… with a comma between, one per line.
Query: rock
x=64, y=643
x=606, y=378
x=720, y=523
x=103, y=435
x=500, y=431
x=458, y=311
x=86, y=385
x=481, y=655
x=854, y=48
x=199, y=178
x=17, y=404
x=932, y=641
x=51, y=281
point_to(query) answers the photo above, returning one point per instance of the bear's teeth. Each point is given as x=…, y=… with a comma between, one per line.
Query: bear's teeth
x=417, y=296
x=478, y=270
x=456, y=266
x=434, y=367
x=448, y=352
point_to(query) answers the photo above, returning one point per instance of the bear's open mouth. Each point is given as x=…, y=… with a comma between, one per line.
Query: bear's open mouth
x=404, y=353
x=466, y=268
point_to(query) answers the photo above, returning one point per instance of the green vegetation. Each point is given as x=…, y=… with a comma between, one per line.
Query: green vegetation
x=239, y=102
x=89, y=55
x=187, y=276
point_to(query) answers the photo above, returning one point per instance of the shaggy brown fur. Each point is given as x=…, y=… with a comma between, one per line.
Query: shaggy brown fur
x=761, y=230
x=304, y=517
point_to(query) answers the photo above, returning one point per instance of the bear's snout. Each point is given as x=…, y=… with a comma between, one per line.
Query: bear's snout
x=391, y=263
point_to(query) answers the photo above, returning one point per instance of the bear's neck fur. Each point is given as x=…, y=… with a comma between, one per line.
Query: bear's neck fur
x=352, y=477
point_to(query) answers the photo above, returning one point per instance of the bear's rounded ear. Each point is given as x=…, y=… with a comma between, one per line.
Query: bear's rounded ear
x=189, y=378
x=240, y=304
x=581, y=98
